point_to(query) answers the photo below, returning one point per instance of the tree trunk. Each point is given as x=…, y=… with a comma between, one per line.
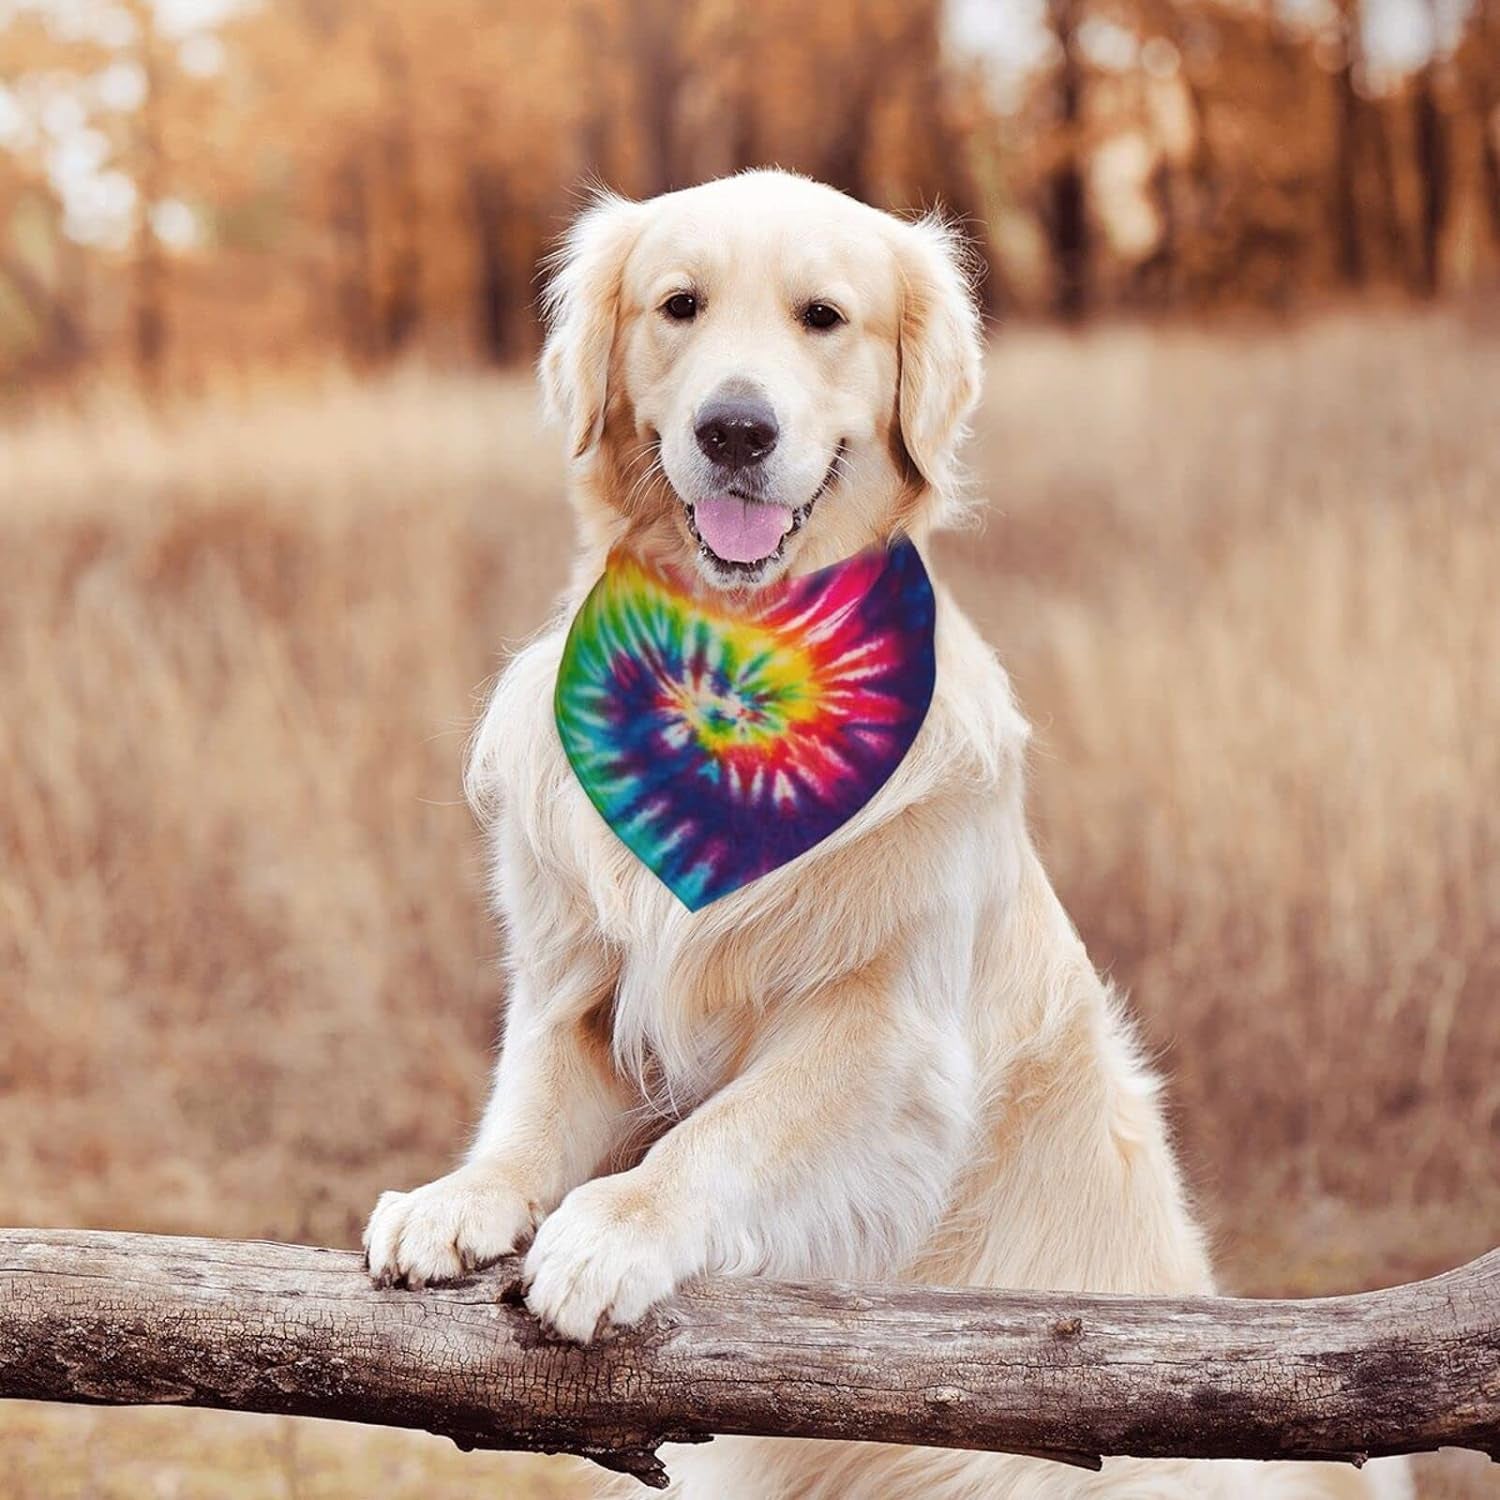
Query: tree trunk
x=354, y=269
x=1346, y=228
x=1487, y=105
x=117, y=1319
x=658, y=71
x=1067, y=193
x=1393, y=226
x=401, y=313
x=495, y=314
x=1491, y=165
x=149, y=319
x=842, y=162
x=1432, y=172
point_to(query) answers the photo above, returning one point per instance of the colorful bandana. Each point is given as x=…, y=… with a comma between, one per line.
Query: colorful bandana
x=721, y=736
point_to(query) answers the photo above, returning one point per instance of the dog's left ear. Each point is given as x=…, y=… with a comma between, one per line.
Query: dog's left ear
x=581, y=306
x=941, y=349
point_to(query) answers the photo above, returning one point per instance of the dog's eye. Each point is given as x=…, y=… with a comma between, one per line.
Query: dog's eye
x=821, y=315
x=681, y=307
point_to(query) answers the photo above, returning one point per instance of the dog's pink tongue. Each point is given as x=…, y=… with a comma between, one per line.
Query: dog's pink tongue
x=741, y=531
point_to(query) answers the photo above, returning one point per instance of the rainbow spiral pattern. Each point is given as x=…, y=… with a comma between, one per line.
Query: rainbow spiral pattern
x=721, y=736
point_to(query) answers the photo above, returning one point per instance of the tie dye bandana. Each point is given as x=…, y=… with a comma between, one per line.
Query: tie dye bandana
x=722, y=736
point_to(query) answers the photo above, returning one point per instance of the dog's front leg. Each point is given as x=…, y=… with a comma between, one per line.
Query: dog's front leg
x=831, y=1153
x=556, y=1110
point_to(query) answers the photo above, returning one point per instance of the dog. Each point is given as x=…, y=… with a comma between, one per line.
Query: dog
x=889, y=1058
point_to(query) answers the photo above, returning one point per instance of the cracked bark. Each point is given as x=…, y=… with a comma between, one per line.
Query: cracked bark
x=125, y=1319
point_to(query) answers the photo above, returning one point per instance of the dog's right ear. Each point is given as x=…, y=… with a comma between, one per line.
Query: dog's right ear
x=580, y=305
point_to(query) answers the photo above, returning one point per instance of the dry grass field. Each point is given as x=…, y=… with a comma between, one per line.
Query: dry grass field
x=1246, y=583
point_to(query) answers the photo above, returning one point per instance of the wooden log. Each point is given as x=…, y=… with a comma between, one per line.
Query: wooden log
x=127, y=1319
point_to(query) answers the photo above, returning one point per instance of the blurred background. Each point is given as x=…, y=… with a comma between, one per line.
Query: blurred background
x=190, y=186
x=275, y=499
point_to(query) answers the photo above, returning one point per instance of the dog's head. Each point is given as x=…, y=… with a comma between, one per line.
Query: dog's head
x=759, y=375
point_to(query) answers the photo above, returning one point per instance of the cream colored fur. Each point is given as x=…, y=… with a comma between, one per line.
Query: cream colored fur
x=891, y=1058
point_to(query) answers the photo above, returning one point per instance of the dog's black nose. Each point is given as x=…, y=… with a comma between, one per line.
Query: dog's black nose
x=736, y=430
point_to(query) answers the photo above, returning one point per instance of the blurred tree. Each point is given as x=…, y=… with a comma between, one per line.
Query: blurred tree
x=301, y=179
x=717, y=104
x=401, y=311
x=1068, y=204
x=1432, y=160
x=1478, y=65
x=1432, y=172
x=43, y=304
x=46, y=333
x=654, y=31
x=1346, y=226
x=148, y=168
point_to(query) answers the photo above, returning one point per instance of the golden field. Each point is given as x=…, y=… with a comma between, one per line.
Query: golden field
x=1246, y=582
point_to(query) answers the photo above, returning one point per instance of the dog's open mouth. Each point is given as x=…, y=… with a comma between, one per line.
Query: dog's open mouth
x=741, y=535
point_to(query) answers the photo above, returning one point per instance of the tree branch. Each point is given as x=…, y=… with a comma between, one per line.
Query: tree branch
x=122, y=1319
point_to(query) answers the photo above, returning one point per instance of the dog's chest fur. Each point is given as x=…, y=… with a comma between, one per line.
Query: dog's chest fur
x=678, y=1037
x=693, y=988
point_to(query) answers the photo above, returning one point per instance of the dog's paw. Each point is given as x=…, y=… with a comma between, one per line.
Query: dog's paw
x=604, y=1258
x=443, y=1231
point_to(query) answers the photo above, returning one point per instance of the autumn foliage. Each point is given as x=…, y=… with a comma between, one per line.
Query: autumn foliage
x=185, y=188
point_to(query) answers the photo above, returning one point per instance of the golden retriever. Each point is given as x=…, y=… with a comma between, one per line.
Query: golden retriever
x=890, y=1058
